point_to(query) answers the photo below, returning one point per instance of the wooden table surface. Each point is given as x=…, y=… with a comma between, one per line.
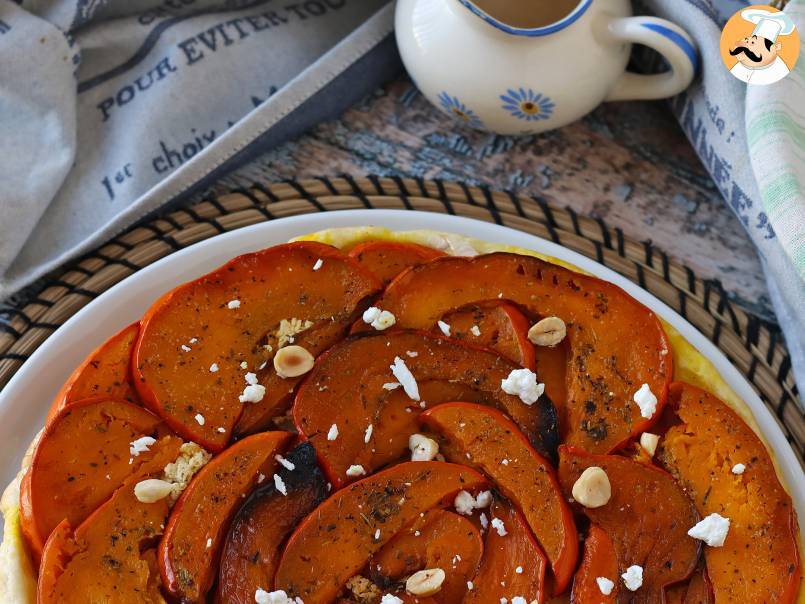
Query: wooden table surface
x=628, y=163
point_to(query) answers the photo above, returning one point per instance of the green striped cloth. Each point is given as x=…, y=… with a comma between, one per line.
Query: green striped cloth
x=775, y=128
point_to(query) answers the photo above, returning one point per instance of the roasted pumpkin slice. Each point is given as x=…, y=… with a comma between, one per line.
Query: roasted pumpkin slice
x=387, y=259
x=111, y=556
x=496, y=325
x=437, y=539
x=339, y=538
x=199, y=343
x=697, y=590
x=513, y=563
x=353, y=388
x=258, y=532
x=615, y=343
x=83, y=455
x=701, y=451
x=106, y=372
x=485, y=439
x=647, y=518
x=599, y=563
x=193, y=539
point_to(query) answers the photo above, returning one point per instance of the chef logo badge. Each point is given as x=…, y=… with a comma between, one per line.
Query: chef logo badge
x=760, y=45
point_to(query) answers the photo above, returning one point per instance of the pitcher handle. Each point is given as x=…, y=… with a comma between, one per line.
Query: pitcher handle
x=668, y=39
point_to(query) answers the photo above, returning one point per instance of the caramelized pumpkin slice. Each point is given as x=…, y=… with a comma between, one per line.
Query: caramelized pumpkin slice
x=647, y=518
x=599, y=562
x=615, y=343
x=191, y=546
x=387, y=259
x=258, y=532
x=513, y=564
x=111, y=556
x=348, y=387
x=485, y=439
x=696, y=591
x=762, y=540
x=106, y=372
x=438, y=539
x=337, y=540
x=496, y=325
x=81, y=458
x=193, y=341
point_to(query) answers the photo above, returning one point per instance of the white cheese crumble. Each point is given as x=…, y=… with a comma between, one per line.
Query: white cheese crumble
x=367, y=435
x=605, y=586
x=390, y=599
x=484, y=521
x=519, y=600
x=355, y=470
x=288, y=465
x=261, y=478
x=279, y=484
x=262, y=596
x=470, y=585
x=186, y=348
x=221, y=429
x=233, y=304
x=498, y=525
x=633, y=577
x=214, y=368
x=483, y=500
x=464, y=503
x=476, y=331
x=523, y=383
x=379, y=319
x=377, y=535
x=405, y=377
x=444, y=327
x=253, y=392
x=318, y=264
x=140, y=445
x=738, y=468
x=646, y=400
x=200, y=419
x=712, y=530
x=519, y=570
x=332, y=434
x=209, y=542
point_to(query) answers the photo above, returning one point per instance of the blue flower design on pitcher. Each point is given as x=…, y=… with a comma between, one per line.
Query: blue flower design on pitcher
x=527, y=105
x=458, y=109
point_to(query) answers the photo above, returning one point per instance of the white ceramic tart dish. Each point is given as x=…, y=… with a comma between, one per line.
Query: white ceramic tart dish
x=25, y=401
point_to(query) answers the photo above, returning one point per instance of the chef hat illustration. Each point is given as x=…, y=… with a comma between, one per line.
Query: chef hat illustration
x=768, y=25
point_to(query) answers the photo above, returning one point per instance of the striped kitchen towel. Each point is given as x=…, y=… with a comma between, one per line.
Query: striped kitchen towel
x=775, y=129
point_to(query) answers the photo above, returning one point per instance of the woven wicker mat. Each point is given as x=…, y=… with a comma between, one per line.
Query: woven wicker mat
x=754, y=346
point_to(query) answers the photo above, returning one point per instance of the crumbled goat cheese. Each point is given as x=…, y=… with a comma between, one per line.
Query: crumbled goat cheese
x=484, y=500
x=406, y=378
x=214, y=368
x=318, y=264
x=221, y=429
x=251, y=378
x=646, y=400
x=355, y=470
x=498, y=525
x=633, y=577
x=332, y=434
x=275, y=597
x=279, y=484
x=193, y=340
x=484, y=521
x=469, y=586
x=738, y=468
x=390, y=599
x=140, y=445
x=200, y=419
x=288, y=465
x=185, y=348
x=261, y=478
x=519, y=600
x=289, y=328
x=253, y=392
x=233, y=304
x=367, y=435
x=209, y=543
x=464, y=503
x=444, y=327
x=523, y=383
x=605, y=586
x=377, y=535
x=412, y=353
x=476, y=331
x=519, y=570
x=712, y=530
x=379, y=319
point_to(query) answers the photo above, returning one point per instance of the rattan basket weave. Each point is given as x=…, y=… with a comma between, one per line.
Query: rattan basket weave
x=754, y=346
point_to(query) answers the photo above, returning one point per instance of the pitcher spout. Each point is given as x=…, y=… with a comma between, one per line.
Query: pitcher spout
x=518, y=19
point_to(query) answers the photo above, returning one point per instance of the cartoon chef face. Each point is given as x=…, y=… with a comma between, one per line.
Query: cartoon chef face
x=755, y=51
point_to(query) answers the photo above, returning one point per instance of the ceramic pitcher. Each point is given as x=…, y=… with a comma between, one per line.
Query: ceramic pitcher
x=522, y=80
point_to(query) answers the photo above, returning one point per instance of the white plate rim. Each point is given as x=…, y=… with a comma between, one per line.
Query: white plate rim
x=116, y=308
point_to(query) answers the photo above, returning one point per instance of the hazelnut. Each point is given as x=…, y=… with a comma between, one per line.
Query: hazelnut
x=547, y=332
x=293, y=361
x=152, y=490
x=649, y=443
x=422, y=447
x=592, y=489
x=425, y=582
